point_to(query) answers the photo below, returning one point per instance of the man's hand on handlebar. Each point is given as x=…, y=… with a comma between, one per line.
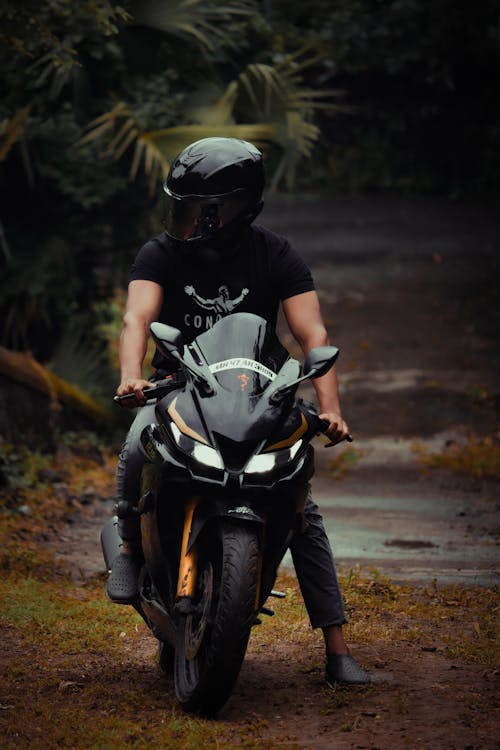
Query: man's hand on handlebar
x=133, y=387
x=337, y=429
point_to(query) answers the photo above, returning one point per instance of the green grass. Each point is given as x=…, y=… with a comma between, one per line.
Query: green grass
x=343, y=462
x=67, y=646
x=79, y=672
x=56, y=611
x=478, y=458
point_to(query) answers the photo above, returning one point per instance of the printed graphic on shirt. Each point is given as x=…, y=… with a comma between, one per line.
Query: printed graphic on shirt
x=221, y=305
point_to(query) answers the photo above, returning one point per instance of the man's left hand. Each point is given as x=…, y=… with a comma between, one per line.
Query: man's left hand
x=338, y=429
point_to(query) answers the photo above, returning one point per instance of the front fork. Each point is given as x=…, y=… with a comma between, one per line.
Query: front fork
x=186, y=583
x=188, y=564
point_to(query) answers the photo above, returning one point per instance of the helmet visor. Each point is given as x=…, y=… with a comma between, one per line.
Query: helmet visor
x=196, y=217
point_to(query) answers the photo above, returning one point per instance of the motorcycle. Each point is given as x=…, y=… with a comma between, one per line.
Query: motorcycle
x=226, y=473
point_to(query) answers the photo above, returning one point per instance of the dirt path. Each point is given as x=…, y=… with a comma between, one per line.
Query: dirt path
x=405, y=288
x=415, y=642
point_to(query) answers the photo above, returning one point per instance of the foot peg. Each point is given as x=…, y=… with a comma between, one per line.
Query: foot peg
x=278, y=594
x=267, y=611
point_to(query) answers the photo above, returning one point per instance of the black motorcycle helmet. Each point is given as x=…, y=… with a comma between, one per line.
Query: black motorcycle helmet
x=213, y=191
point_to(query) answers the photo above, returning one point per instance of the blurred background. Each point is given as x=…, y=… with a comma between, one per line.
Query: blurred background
x=378, y=121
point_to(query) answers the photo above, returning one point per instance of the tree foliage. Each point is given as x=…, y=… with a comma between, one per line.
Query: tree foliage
x=97, y=97
x=421, y=77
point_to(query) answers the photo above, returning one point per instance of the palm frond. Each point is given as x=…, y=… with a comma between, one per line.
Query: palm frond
x=155, y=164
x=172, y=140
x=275, y=93
x=120, y=124
x=105, y=123
x=214, y=107
x=80, y=358
x=270, y=102
x=12, y=131
x=208, y=23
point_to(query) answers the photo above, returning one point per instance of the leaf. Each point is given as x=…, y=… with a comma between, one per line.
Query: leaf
x=128, y=124
x=12, y=130
x=139, y=148
x=207, y=23
x=171, y=141
x=264, y=104
x=120, y=150
x=275, y=94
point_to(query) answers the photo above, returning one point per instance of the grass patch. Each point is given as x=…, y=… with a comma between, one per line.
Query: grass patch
x=79, y=672
x=66, y=646
x=343, y=462
x=478, y=458
x=39, y=493
x=462, y=621
x=67, y=649
x=56, y=611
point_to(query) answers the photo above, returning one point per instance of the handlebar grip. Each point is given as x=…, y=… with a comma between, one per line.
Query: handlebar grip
x=158, y=390
x=325, y=425
x=128, y=396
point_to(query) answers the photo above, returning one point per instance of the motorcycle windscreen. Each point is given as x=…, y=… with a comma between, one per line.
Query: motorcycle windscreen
x=243, y=353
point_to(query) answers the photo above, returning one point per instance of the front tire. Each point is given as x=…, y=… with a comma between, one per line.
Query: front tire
x=211, y=644
x=166, y=657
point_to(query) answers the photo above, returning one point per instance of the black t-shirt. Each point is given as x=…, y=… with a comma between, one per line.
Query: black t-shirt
x=264, y=271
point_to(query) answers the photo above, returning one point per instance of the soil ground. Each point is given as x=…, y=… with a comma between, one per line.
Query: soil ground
x=409, y=290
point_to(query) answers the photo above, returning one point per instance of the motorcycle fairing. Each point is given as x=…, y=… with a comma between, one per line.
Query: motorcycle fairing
x=217, y=433
x=245, y=336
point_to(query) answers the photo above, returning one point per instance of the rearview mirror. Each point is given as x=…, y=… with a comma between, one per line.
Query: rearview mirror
x=320, y=360
x=169, y=340
x=317, y=363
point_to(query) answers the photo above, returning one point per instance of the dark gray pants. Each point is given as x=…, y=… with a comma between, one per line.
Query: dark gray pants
x=310, y=548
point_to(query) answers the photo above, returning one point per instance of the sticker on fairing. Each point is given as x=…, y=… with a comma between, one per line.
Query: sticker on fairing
x=241, y=363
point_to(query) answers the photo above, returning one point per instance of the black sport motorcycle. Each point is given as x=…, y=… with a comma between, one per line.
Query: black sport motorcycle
x=226, y=473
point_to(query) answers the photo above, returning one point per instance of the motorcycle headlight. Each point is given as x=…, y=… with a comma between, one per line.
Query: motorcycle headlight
x=263, y=462
x=208, y=456
x=201, y=452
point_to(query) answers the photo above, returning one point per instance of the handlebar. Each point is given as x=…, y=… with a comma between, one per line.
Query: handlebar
x=162, y=387
x=324, y=425
x=157, y=391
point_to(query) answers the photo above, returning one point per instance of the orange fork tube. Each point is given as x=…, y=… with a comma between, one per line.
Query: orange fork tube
x=186, y=584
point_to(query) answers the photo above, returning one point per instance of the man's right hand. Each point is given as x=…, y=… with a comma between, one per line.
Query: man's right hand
x=135, y=386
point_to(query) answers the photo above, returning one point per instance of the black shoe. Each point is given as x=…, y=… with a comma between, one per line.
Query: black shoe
x=342, y=669
x=122, y=586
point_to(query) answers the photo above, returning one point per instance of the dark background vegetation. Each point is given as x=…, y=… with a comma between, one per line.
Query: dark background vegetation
x=363, y=97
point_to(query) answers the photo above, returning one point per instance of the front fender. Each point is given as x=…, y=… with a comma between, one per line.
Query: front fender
x=205, y=512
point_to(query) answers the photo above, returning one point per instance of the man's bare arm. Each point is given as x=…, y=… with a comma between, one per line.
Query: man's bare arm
x=144, y=303
x=305, y=321
x=207, y=304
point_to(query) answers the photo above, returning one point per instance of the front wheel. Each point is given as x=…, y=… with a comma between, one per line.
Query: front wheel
x=211, y=643
x=166, y=657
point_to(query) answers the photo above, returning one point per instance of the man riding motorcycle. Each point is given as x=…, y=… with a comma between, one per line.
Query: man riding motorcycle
x=212, y=261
